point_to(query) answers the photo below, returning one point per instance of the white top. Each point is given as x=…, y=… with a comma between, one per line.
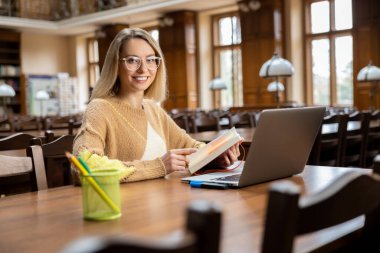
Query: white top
x=155, y=145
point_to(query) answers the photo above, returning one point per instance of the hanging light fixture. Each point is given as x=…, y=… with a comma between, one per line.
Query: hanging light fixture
x=370, y=73
x=6, y=91
x=275, y=68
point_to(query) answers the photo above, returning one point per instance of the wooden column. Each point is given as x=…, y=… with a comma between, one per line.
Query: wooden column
x=105, y=35
x=262, y=35
x=366, y=45
x=178, y=43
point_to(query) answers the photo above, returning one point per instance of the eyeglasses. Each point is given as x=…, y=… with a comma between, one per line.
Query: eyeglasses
x=134, y=63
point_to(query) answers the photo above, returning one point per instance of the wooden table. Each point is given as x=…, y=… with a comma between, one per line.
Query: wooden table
x=48, y=220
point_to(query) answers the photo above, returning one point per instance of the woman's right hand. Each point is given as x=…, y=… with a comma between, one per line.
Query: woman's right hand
x=176, y=159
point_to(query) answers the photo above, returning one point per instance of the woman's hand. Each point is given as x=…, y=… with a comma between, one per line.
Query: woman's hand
x=176, y=159
x=228, y=157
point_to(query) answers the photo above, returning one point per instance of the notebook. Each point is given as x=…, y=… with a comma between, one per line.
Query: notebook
x=281, y=145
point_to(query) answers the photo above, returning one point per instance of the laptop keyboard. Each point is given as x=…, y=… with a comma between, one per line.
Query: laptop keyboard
x=228, y=178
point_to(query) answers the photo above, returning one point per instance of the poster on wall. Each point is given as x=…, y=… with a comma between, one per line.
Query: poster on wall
x=45, y=105
x=52, y=95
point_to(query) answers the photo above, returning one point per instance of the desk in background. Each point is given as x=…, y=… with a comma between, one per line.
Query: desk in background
x=248, y=133
x=48, y=220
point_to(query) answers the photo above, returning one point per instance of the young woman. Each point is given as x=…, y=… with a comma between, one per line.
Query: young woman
x=124, y=120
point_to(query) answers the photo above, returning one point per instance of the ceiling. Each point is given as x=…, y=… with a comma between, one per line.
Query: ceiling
x=132, y=14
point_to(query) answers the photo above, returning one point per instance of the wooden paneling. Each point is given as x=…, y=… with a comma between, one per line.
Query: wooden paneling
x=105, y=35
x=178, y=44
x=261, y=37
x=366, y=21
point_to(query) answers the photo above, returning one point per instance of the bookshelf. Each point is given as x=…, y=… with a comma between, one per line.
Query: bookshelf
x=10, y=66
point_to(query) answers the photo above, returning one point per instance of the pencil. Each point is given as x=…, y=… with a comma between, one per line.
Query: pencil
x=89, y=171
x=92, y=182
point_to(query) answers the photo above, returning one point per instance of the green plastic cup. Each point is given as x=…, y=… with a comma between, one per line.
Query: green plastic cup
x=94, y=206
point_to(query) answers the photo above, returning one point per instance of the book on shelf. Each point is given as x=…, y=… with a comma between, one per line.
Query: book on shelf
x=212, y=150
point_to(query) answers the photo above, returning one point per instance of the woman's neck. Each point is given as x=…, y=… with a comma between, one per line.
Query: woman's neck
x=132, y=100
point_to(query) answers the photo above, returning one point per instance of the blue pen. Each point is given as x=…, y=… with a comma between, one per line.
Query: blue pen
x=207, y=185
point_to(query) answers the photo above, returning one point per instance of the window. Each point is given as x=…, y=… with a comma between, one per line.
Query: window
x=93, y=61
x=227, y=57
x=153, y=31
x=329, y=52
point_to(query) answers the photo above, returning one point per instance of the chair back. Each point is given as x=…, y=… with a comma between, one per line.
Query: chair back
x=373, y=140
x=241, y=119
x=328, y=145
x=205, y=122
x=58, y=168
x=202, y=235
x=70, y=122
x=74, y=125
x=17, y=173
x=25, y=123
x=7, y=124
x=350, y=196
x=355, y=144
x=182, y=120
x=15, y=141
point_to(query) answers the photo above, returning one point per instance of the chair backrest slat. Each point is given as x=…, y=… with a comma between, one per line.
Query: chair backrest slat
x=57, y=167
x=31, y=180
x=290, y=215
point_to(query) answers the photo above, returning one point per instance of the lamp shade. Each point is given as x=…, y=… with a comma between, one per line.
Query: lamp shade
x=217, y=84
x=275, y=86
x=369, y=73
x=42, y=95
x=276, y=67
x=6, y=90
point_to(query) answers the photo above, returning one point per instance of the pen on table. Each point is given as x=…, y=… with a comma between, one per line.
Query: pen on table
x=92, y=182
x=207, y=185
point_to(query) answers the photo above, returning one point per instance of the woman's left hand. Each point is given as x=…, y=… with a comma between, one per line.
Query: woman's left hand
x=230, y=156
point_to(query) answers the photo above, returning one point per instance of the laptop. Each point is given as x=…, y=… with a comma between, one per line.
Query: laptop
x=280, y=148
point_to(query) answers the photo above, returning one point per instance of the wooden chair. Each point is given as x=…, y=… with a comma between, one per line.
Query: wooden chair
x=74, y=126
x=205, y=122
x=327, y=148
x=203, y=230
x=25, y=123
x=355, y=144
x=182, y=120
x=20, y=141
x=7, y=124
x=56, y=165
x=373, y=141
x=241, y=119
x=17, y=173
x=59, y=122
x=350, y=196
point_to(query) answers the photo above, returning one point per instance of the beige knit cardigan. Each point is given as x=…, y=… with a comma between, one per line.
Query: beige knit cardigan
x=113, y=128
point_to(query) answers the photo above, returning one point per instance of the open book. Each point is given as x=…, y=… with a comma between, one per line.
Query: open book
x=212, y=150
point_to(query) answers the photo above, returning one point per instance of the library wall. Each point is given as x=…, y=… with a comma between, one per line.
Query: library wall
x=44, y=54
x=366, y=36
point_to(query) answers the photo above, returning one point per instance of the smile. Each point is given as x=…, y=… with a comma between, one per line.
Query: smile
x=141, y=78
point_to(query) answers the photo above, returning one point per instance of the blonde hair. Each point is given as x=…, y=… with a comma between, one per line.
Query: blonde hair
x=109, y=82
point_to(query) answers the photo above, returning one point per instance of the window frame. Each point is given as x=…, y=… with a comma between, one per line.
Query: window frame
x=217, y=49
x=92, y=62
x=331, y=35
